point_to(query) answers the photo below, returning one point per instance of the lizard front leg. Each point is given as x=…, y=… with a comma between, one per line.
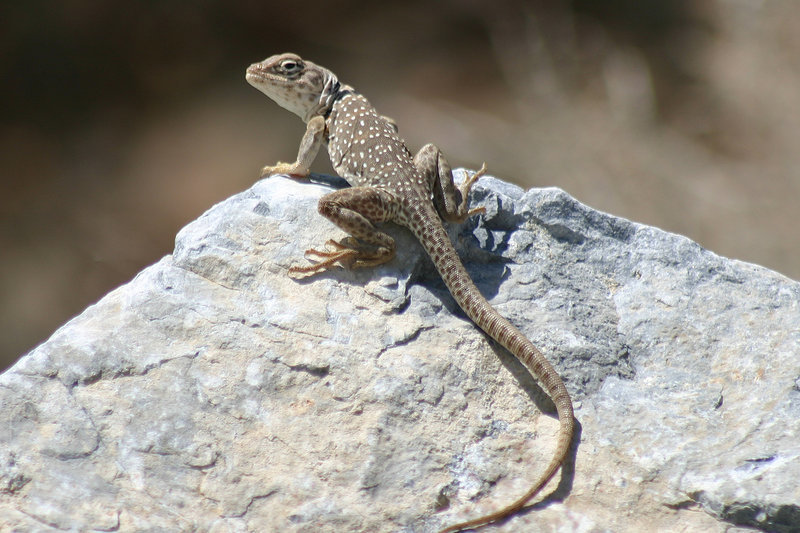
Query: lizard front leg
x=452, y=203
x=356, y=210
x=309, y=146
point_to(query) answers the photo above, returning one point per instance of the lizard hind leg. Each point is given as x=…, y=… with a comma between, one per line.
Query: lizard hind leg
x=355, y=210
x=451, y=201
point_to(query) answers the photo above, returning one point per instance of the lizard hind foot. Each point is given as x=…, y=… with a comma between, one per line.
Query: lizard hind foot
x=346, y=253
x=467, y=186
x=463, y=213
x=470, y=181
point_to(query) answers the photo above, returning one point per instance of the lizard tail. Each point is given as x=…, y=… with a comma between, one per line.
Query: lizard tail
x=437, y=243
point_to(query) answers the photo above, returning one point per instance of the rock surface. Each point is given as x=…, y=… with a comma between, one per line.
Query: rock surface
x=213, y=393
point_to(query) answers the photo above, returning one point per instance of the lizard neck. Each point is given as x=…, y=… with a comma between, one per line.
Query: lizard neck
x=332, y=91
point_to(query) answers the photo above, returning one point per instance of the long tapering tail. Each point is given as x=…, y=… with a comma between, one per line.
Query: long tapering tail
x=437, y=243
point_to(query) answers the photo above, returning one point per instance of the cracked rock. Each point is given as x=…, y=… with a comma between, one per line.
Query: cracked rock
x=215, y=393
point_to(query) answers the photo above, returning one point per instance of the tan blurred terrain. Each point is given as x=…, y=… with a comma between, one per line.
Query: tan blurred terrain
x=120, y=123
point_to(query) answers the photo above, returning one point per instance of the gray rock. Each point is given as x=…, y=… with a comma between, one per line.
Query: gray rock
x=213, y=393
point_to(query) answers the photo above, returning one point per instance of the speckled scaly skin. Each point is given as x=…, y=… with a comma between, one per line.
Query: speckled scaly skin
x=391, y=185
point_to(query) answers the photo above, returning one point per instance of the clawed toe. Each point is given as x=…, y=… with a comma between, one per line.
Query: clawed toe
x=327, y=260
x=469, y=182
x=462, y=213
x=293, y=170
x=346, y=253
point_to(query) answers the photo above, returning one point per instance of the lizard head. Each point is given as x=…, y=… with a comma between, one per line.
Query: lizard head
x=300, y=86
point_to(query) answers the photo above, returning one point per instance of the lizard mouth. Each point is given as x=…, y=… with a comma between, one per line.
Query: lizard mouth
x=258, y=77
x=253, y=74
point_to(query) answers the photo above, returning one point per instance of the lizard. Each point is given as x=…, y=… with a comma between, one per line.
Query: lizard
x=388, y=184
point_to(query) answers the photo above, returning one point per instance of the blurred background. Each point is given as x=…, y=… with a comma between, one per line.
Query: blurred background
x=121, y=122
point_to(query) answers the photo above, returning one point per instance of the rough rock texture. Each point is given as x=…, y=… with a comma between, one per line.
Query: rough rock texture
x=214, y=393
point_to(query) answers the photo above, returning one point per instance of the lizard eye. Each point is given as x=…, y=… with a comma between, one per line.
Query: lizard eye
x=290, y=66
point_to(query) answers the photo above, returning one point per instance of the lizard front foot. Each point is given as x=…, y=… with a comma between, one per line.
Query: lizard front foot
x=347, y=253
x=294, y=170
